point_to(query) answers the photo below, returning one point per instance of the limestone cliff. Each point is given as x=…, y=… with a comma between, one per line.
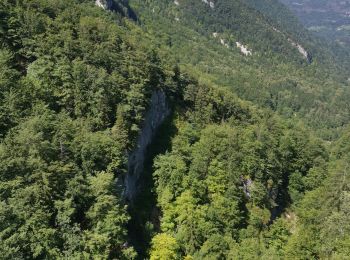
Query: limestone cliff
x=157, y=113
x=105, y=4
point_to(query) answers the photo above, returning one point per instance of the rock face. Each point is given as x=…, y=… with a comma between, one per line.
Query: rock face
x=210, y=3
x=105, y=4
x=244, y=49
x=301, y=50
x=157, y=113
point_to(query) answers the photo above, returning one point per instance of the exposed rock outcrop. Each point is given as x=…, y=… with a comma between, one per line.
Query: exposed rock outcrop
x=244, y=49
x=210, y=3
x=105, y=4
x=157, y=113
x=301, y=50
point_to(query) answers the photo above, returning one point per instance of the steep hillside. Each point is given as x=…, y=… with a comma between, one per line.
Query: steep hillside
x=234, y=45
x=169, y=130
x=328, y=18
x=75, y=87
x=281, y=16
x=327, y=49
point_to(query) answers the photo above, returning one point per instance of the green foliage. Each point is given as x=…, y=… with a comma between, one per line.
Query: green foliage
x=323, y=225
x=222, y=179
x=237, y=179
x=75, y=85
x=275, y=76
x=164, y=247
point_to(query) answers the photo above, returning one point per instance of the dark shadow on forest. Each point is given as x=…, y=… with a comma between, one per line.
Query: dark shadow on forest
x=124, y=8
x=145, y=214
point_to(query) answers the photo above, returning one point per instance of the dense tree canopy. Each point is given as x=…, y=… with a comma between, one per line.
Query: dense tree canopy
x=74, y=89
x=248, y=165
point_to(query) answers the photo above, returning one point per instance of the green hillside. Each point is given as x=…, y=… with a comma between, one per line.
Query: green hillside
x=276, y=75
x=326, y=18
x=170, y=130
x=326, y=48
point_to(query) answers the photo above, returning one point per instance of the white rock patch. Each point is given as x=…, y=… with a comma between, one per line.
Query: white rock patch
x=300, y=48
x=176, y=2
x=243, y=49
x=104, y=4
x=276, y=30
x=210, y=3
x=222, y=41
x=100, y=4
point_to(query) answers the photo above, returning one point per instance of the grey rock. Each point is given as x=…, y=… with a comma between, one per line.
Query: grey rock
x=105, y=4
x=155, y=116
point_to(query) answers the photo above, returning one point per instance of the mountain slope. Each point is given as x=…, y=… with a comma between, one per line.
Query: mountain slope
x=206, y=39
x=328, y=18
x=220, y=187
x=75, y=86
x=168, y=130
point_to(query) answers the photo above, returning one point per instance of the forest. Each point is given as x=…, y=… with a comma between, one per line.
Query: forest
x=326, y=18
x=140, y=130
